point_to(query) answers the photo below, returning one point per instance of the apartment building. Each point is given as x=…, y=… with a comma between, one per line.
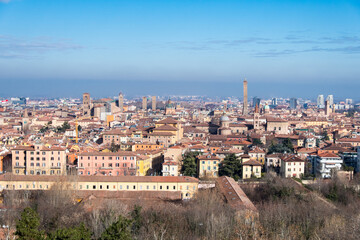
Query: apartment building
x=122, y=163
x=38, y=160
x=324, y=164
x=208, y=166
x=292, y=166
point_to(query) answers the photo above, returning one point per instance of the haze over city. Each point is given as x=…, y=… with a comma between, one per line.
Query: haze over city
x=296, y=49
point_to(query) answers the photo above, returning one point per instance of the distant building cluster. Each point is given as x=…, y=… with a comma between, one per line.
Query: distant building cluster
x=151, y=136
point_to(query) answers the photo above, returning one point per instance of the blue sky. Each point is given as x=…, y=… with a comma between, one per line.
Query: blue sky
x=287, y=48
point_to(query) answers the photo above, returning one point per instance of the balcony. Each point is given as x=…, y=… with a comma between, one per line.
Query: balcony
x=19, y=167
x=106, y=168
x=55, y=167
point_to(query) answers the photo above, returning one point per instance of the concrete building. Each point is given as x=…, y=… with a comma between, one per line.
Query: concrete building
x=38, y=160
x=324, y=164
x=330, y=98
x=320, y=101
x=256, y=101
x=293, y=103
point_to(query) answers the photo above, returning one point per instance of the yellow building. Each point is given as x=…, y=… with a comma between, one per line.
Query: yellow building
x=208, y=166
x=143, y=164
x=251, y=168
x=186, y=186
x=257, y=154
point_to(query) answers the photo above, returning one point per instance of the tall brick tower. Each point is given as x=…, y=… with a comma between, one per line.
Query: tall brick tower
x=153, y=103
x=245, y=107
x=86, y=107
x=121, y=102
x=144, y=103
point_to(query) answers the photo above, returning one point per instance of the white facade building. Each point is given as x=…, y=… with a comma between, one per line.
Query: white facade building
x=326, y=163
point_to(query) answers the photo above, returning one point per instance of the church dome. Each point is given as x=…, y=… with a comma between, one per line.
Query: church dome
x=224, y=118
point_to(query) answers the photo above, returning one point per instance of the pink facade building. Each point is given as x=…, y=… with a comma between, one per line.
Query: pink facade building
x=120, y=163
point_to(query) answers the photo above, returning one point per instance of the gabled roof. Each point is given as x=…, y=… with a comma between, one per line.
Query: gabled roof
x=292, y=158
x=328, y=155
x=165, y=128
x=168, y=120
x=251, y=163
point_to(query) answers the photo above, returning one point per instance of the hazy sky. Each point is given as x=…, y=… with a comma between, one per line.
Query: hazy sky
x=289, y=48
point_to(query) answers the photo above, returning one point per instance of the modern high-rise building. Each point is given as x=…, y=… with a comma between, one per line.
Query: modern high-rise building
x=330, y=98
x=274, y=102
x=320, y=101
x=349, y=101
x=293, y=103
x=121, y=102
x=245, y=107
x=144, y=103
x=86, y=107
x=153, y=103
x=256, y=101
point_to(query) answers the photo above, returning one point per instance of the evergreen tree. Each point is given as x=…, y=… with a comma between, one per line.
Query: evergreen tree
x=325, y=136
x=114, y=147
x=257, y=142
x=231, y=167
x=288, y=144
x=76, y=233
x=189, y=164
x=119, y=230
x=27, y=227
x=136, y=217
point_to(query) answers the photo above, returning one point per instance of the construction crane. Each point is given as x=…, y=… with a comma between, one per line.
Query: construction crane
x=77, y=127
